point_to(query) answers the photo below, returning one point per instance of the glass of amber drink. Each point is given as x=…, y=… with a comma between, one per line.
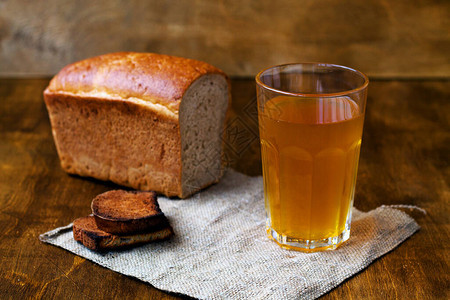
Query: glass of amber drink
x=311, y=119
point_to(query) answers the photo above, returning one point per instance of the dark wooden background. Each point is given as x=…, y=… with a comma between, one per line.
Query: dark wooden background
x=404, y=160
x=404, y=46
x=382, y=38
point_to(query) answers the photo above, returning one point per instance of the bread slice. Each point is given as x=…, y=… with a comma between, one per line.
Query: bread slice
x=85, y=231
x=142, y=120
x=126, y=212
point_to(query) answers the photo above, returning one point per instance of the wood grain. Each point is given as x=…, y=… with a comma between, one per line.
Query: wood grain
x=381, y=38
x=404, y=160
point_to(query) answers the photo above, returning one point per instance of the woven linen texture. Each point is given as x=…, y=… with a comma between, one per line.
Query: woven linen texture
x=220, y=249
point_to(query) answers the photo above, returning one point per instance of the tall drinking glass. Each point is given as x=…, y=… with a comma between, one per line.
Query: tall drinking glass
x=311, y=119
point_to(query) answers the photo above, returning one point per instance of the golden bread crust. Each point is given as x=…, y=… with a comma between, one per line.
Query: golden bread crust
x=155, y=78
x=117, y=117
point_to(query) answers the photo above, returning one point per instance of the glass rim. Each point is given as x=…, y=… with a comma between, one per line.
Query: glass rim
x=336, y=94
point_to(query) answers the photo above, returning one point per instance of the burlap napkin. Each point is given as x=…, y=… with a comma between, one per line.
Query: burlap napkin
x=220, y=249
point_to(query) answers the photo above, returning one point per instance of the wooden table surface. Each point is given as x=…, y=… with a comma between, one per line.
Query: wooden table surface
x=404, y=160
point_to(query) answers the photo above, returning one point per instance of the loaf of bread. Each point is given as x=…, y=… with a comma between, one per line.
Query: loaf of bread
x=127, y=212
x=142, y=120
